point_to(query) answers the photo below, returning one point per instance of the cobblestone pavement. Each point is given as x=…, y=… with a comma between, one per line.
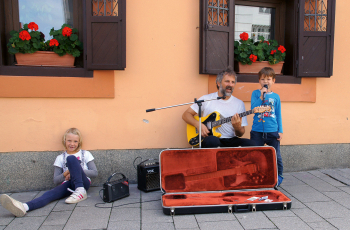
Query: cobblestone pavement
x=320, y=200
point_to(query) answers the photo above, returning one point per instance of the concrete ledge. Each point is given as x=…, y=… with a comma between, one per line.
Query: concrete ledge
x=29, y=171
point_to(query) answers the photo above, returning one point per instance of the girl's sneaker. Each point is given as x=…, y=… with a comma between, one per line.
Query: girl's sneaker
x=12, y=205
x=78, y=195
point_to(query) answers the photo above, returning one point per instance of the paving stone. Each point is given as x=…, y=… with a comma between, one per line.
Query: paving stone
x=26, y=223
x=278, y=213
x=326, y=178
x=57, y=218
x=158, y=226
x=339, y=175
x=290, y=223
x=93, y=198
x=125, y=214
x=315, y=182
x=94, y=218
x=220, y=225
x=330, y=209
x=61, y=205
x=25, y=196
x=215, y=217
x=154, y=216
x=306, y=193
x=127, y=203
x=322, y=225
x=44, y=211
x=152, y=205
x=124, y=225
x=185, y=221
x=345, y=189
x=5, y=216
x=254, y=220
x=340, y=223
x=52, y=227
x=307, y=215
x=295, y=203
x=342, y=198
x=289, y=180
x=2, y=227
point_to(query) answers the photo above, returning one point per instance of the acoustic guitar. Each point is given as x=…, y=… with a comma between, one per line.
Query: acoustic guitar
x=212, y=122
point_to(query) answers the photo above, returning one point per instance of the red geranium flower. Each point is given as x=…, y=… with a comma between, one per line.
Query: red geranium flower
x=244, y=36
x=66, y=31
x=53, y=42
x=253, y=57
x=24, y=35
x=33, y=26
x=282, y=49
x=273, y=52
x=267, y=42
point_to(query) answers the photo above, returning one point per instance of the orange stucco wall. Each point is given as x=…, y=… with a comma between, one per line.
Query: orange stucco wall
x=162, y=70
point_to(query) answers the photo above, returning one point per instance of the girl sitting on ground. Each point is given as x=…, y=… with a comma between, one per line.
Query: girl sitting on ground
x=72, y=171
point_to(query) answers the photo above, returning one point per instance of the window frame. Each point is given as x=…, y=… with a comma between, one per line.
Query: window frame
x=279, y=36
x=288, y=15
x=8, y=23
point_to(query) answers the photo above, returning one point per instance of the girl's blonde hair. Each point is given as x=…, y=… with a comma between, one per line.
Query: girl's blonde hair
x=74, y=131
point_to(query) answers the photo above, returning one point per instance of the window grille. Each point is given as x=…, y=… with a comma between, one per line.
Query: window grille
x=260, y=30
x=104, y=7
x=218, y=12
x=315, y=18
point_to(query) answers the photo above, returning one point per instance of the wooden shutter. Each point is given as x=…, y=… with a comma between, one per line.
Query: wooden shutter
x=106, y=34
x=216, y=35
x=316, y=38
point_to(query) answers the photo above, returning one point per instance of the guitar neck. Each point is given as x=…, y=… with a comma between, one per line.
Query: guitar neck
x=228, y=119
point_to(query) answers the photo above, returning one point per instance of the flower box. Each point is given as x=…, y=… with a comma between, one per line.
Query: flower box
x=44, y=58
x=255, y=67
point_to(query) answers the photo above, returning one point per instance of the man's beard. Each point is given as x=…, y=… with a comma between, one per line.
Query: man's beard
x=223, y=91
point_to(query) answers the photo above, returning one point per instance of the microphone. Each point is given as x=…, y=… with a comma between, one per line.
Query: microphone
x=265, y=86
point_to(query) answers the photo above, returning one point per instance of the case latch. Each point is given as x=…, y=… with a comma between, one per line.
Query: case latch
x=172, y=211
x=253, y=207
x=284, y=206
x=230, y=209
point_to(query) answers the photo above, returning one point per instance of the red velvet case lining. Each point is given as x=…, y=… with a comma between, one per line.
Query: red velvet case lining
x=192, y=176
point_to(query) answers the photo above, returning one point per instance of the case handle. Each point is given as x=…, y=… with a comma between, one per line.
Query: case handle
x=242, y=208
x=124, y=177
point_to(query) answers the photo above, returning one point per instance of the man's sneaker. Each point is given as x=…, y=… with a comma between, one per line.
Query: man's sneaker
x=77, y=196
x=12, y=205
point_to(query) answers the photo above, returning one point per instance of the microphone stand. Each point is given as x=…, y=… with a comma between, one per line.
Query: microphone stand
x=199, y=103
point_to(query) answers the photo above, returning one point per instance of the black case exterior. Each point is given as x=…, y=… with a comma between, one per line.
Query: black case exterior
x=223, y=208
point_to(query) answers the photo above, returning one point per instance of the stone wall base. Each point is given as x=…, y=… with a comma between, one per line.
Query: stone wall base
x=29, y=171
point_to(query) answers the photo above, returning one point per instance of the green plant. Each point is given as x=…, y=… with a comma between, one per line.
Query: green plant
x=29, y=40
x=247, y=51
x=67, y=40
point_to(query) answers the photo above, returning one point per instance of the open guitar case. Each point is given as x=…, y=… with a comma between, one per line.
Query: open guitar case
x=222, y=180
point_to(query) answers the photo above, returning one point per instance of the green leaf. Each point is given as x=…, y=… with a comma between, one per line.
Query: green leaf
x=73, y=37
x=13, y=50
x=20, y=44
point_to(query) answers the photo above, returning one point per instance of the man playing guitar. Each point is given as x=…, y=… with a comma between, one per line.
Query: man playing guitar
x=230, y=106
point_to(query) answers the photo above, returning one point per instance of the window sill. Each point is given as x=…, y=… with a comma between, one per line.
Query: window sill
x=305, y=91
x=253, y=78
x=101, y=85
x=44, y=71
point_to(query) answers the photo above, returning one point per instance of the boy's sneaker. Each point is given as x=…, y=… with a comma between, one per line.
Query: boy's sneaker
x=12, y=205
x=77, y=196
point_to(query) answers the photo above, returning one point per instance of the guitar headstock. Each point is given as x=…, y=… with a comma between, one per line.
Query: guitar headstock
x=262, y=109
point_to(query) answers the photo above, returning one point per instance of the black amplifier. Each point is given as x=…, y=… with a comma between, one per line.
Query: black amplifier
x=117, y=189
x=148, y=176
